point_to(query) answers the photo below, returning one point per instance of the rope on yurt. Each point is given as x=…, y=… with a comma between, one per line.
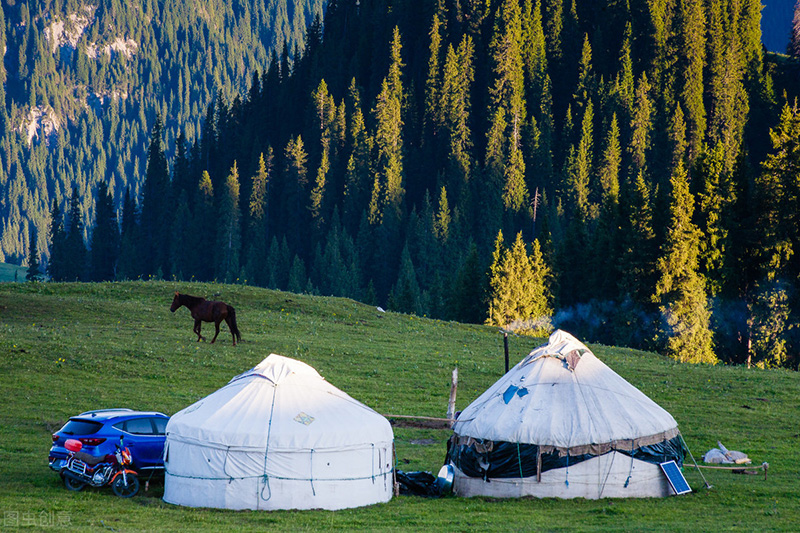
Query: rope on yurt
x=708, y=485
x=566, y=476
x=630, y=472
x=311, y=472
x=266, y=452
x=225, y=464
x=373, y=462
x=608, y=473
x=519, y=462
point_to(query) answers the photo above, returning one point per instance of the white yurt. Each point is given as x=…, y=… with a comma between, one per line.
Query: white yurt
x=562, y=424
x=278, y=437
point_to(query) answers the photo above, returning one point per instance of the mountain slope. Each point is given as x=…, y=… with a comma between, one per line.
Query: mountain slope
x=83, y=81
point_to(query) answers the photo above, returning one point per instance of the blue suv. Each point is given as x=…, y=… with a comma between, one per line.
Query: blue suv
x=144, y=433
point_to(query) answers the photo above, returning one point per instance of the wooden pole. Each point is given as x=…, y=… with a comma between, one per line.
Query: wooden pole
x=451, y=405
x=505, y=347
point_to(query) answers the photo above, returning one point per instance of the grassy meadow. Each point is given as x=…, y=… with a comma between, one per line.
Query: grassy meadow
x=70, y=347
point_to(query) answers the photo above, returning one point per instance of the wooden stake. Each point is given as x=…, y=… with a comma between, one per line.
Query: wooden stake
x=505, y=346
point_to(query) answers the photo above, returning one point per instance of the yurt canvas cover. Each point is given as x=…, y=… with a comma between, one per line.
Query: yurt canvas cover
x=278, y=437
x=563, y=424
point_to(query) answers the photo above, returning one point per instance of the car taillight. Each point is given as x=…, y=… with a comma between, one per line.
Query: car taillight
x=92, y=442
x=55, y=437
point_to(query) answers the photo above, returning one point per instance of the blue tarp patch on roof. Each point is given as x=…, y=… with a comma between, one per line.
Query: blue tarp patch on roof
x=509, y=393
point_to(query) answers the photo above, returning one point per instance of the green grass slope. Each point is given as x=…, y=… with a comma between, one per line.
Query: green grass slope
x=9, y=272
x=72, y=347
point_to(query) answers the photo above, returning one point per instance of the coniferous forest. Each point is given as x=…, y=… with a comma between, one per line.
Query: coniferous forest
x=628, y=171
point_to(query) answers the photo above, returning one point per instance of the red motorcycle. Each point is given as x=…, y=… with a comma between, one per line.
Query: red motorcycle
x=82, y=469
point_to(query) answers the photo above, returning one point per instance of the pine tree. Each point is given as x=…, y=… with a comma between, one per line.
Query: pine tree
x=258, y=219
x=298, y=281
x=387, y=189
x=580, y=168
x=205, y=216
x=294, y=193
x=768, y=325
x=105, y=237
x=638, y=257
x=778, y=200
x=610, y=164
x=357, y=175
x=228, y=235
x=57, y=244
x=793, y=48
x=693, y=53
x=156, y=217
x=641, y=125
x=517, y=286
x=586, y=83
x=128, y=265
x=405, y=295
x=680, y=290
x=433, y=84
x=181, y=256
x=441, y=225
x=457, y=79
x=74, y=244
x=467, y=297
x=33, y=273
x=507, y=103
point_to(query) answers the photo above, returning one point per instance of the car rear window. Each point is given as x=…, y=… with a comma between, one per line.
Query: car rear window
x=81, y=427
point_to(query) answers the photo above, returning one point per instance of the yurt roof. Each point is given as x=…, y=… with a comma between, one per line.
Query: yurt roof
x=284, y=402
x=561, y=396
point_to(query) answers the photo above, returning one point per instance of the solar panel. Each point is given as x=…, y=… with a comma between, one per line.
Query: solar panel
x=675, y=477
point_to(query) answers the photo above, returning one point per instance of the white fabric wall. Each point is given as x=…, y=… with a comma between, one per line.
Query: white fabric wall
x=601, y=477
x=205, y=476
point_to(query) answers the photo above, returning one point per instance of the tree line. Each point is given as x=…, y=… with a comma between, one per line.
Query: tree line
x=624, y=170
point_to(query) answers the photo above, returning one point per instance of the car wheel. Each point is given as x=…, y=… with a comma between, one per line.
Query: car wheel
x=126, y=491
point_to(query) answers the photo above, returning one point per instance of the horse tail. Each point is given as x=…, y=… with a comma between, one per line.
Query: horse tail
x=234, y=327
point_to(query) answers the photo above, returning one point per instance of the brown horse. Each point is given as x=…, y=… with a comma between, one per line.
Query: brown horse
x=207, y=311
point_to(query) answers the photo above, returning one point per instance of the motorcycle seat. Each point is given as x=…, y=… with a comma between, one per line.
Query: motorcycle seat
x=90, y=460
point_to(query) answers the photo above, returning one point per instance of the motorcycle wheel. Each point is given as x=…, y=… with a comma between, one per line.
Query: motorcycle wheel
x=126, y=491
x=73, y=484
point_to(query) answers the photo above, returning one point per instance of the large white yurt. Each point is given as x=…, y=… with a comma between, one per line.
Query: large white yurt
x=563, y=424
x=278, y=437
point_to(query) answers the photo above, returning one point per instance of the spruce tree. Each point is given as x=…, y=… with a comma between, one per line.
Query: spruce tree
x=680, y=290
x=638, y=253
x=641, y=126
x=793, y=47
x=405, y=295
x=507, y=93
x=57, y=242
x=229, y=233
x=298, y=281
x=74, y=244
x=33, y=273
x=692, y=52
x=156, y=213
x=778, y=200
x=388, y=188
x=105, y=236
x=518, y=292
x=466, y=298
x=205, y=226
x=768, y=326
x=258, y=219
